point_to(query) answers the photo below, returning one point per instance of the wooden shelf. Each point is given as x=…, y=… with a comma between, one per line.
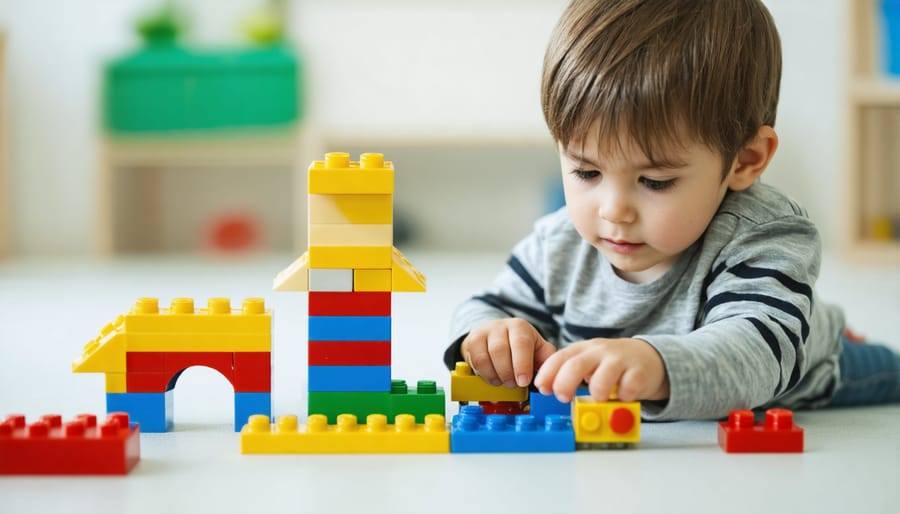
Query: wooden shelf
x=875, y=92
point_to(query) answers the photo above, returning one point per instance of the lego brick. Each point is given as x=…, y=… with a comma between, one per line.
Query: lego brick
x=474, y=432
x=152, y=411
x=376, y=436
x=145, y=362
x=777, y=434
x=425, y=399
x=338, y=175
x=404, y=277
x=349, y=328
x=252, y=372
x=116, y=383
x=182, y=318
x=105, y=354
x=323, y=279
x=200, y=342
x=219, y=361
x=372, y=280
x=342, y=208
x=543, y=404
x=371, y=257
x=509, y=408
x=349, y=378
x=77, y=447
x=158, y=382
x=466, y=386
x=610, y=422
x=349, y=353
x=250, y=404
x=349, y=303
x=360, y=404
x=350, y=235
x=295, y=277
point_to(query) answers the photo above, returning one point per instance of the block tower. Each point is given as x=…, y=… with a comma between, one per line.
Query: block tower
x=349, y=271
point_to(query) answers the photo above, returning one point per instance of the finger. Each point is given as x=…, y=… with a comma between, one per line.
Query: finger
x=633, y=385
x=522, y=341
x=546, y=375
x=571, y=374
x=501, y=357
x=604, y=378
x=543, y=352
x=477, y=353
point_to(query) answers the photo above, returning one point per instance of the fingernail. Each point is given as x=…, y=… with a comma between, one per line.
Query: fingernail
x=510, y=384
x=522, y=380
x=495, y=382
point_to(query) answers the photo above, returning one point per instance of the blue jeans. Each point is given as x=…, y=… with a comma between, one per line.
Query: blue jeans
x=870, y=374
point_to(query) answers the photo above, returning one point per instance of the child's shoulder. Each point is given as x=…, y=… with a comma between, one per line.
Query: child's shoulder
x=760, y=204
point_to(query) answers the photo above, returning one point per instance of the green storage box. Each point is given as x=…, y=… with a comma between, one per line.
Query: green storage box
x=171, y=88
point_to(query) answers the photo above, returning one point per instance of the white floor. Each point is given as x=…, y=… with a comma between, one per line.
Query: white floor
x=49, y=309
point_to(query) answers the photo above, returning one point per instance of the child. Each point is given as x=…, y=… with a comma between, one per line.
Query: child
x=672, y=273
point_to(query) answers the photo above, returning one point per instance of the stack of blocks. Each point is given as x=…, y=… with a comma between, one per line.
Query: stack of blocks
x=144, y=352
x=350, y=270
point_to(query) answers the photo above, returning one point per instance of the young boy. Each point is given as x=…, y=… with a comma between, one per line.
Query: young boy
x=672, y=273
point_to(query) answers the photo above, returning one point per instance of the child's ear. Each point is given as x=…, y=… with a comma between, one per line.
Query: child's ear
x=752, y=160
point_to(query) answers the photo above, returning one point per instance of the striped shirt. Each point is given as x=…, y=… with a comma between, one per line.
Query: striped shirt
x=736, y=319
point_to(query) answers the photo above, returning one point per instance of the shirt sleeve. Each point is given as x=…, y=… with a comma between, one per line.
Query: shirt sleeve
x=750, y=344
x=518, y=291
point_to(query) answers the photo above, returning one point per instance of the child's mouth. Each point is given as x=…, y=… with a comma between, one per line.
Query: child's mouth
x=623, y=247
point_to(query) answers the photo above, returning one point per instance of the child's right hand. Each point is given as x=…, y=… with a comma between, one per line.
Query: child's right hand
x=506, y=351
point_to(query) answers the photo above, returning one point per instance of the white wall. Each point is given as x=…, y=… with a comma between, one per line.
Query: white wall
x=455, y=70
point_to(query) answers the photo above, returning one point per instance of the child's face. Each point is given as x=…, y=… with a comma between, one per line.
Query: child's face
x=639, y=216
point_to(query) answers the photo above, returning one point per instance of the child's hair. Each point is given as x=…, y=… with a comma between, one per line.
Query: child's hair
x=662, y=73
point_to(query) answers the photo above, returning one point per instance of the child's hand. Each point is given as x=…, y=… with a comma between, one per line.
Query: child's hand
x=632, y=364
x=506, y=351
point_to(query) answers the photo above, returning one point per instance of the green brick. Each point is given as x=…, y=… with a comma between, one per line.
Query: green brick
x=425, y=399
x=331, y=404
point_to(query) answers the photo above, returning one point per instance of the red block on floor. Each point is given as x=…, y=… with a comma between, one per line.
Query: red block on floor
x=349, y=353
x=777, y=434
x=252, y=372
x=78, y=447
x=350, y=303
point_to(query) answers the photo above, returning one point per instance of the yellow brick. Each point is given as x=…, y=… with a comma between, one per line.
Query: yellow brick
x=370, y=257
x=104, y=354
x=372, y=280
x=295, y=277
x=465, y=386
x=376, y=436
x=337, y=175
x=181, y=317
x=199, y=342
x=375, y=209
x=404, y=277
x=593, y=421
x=116, y=383
x=350, y=235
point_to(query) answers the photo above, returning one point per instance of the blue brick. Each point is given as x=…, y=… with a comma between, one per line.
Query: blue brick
x=349, y=328
x=248, y=404
x=473, y=432
x=349, y=378
x=153, y=411
x=545, y=404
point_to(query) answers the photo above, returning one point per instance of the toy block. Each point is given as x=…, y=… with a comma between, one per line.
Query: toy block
x=152, y=411
x=474, y=432
x=360, y=404
x=223, y=362
x=158, y=382
x=349, y=353
x=250, y=404
x=323, y=279
x=252, y=372
x=78, y=447
x=106, y=353
x=200, y=342
x=372, y=280
x=371, y=257
x=613, y=422
x=317, y=436
x=425, y=399
x=295, y=277
x=349, y=378
x=543, y=404
x=181, y=318
x=508, y=408
x=350, y=303
x=349, y=328
x=342, y=208
x=145, y=362
x=404, y=277
x=466, y=386
x=337, y=175
x=777, y=434
x=116, y=382
x=350, y=235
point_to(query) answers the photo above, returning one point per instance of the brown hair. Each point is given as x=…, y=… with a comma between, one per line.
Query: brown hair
x=652, y=69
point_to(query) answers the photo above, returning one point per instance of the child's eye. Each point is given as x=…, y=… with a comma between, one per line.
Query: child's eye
x=585, y=174
x=657, y=185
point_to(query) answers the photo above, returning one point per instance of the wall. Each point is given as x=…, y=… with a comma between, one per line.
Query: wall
x=462, y=73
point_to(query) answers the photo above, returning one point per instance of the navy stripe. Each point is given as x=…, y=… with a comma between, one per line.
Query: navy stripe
x=516, y=265
x=781, y=305
x=506, y=305
x=713, y=275
x=583, y=332
x=772, y=341
x=744, y=271
x=795, y=342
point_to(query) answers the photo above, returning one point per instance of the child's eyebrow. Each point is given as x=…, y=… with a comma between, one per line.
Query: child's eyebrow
x=665, y=163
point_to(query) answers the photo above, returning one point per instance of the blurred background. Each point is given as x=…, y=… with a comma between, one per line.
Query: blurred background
x=136, y=126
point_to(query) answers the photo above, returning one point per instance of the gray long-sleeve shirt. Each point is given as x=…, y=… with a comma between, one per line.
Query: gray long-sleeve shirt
x=736, y=319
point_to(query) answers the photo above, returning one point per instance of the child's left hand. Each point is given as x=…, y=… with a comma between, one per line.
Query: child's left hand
x=632, y=364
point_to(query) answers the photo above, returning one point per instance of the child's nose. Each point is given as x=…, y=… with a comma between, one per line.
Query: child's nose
x=616, y=208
